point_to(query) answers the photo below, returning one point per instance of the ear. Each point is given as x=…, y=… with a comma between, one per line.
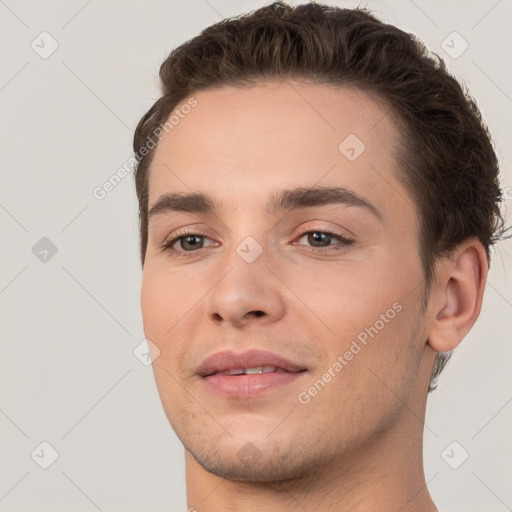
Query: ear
x=457, y=293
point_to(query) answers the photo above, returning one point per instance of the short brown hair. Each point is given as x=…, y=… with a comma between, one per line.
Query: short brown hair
x=446, y=161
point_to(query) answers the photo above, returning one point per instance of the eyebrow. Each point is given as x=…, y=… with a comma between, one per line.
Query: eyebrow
x=291, y=199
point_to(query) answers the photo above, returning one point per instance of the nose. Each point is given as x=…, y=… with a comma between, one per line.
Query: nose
x=247, y=293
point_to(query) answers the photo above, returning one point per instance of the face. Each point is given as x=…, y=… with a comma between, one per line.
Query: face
x=318, y=294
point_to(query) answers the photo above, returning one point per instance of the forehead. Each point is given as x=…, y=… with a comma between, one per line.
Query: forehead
x=242, y=142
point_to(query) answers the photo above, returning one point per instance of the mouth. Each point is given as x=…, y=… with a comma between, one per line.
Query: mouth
x=247, y=374
x=252, y=371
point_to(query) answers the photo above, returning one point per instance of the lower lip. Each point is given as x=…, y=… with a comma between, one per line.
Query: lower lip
x=249, y=385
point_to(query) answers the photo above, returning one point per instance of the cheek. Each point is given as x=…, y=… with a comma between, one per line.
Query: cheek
x=165, y=297
x=162, y=307
x=367, y=311
x=171, y=309
x=345, y=298
x=153, y=300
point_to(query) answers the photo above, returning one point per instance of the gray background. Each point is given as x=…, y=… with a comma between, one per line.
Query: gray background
x=71, y=322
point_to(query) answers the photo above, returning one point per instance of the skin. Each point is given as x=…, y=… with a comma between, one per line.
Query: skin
x=357, y=444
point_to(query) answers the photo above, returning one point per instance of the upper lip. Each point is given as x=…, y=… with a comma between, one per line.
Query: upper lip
x=228, y=360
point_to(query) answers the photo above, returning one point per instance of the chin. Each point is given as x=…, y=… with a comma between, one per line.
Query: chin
x=249, y=464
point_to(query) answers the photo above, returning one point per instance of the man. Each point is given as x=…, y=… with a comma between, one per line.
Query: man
x=318, y=198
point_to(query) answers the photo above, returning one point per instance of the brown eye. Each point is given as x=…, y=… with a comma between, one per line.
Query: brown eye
x=319, y=237
x=320, y=241
x=185, y=244
x=190, y=242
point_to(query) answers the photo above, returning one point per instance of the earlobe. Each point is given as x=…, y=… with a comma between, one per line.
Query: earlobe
x=459, y=290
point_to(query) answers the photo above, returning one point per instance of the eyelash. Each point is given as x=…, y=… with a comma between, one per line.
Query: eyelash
x=344, y=242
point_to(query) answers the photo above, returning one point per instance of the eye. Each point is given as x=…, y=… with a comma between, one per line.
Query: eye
x=324, y=239
x=185, y=242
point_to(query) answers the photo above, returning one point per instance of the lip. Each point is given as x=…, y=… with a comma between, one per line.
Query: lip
x=247, y=385
x=228, y=360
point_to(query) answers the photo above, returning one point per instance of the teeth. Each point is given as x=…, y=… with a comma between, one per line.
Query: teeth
x=260, y=369
x=237, y=371
x=250, y=371
x=256, y=369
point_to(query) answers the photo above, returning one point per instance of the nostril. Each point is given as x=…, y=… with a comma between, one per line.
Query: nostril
x=258, y=313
